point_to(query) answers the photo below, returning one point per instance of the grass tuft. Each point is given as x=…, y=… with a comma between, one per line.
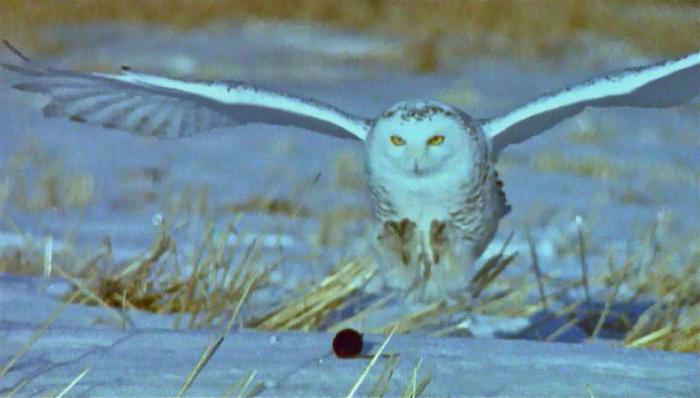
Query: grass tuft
x=381, y=384
x=309, y=311
x=371, y=363
x=215, y=344
x=415, y=388
x=673, y=322
x=214, y=275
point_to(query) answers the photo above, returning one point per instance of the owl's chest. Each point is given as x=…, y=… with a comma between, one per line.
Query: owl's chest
x=425, y=198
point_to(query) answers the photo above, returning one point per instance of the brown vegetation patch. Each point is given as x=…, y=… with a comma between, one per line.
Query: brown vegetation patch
x=526, y=27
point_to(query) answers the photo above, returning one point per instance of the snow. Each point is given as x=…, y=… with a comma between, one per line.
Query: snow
x=154, y=361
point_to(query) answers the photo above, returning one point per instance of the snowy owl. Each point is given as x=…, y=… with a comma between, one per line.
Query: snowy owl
x=430, y=166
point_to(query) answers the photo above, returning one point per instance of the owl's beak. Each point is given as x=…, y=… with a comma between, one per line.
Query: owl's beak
x=416, y=169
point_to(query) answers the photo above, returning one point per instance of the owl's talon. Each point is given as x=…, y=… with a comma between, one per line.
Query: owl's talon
x=404, y=228
x=397, y=235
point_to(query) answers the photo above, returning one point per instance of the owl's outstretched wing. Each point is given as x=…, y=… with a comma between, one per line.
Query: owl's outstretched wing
x=661, y=85
x=164, y=107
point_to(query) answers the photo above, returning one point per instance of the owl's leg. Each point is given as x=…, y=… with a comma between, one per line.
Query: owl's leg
x=439, y=240
x=398, y=237
x=395, y=245
x=451, y=260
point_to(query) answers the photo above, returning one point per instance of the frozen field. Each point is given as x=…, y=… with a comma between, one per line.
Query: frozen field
x=631, y=175
x=148, y=361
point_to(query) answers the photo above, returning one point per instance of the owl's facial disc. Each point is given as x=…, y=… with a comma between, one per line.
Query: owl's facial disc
x=418, y=138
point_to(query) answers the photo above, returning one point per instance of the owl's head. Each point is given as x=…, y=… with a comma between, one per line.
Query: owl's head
x=420, y=137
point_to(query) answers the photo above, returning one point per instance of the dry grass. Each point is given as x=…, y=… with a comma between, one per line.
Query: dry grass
x=200, y=286
x=4, y=191
x=348, y=170
x=203, y=288
x=588, y=132
x=240, y=387
x=268, y=206
x=673, y=322
x=381, y=383
x=216, y=343
x=590, y=166
x=36, y=335
x=36, y=180
x=415, y=387
x=28, y=345
x=412, y=388
x=157, y=282
x=371, y=363
x=310, y=310
x=73, y=382
x=535, y=28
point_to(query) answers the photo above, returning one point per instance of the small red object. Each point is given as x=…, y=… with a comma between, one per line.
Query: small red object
x=347, y=343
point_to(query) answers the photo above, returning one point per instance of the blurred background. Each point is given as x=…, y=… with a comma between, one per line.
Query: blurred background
x=436, y=30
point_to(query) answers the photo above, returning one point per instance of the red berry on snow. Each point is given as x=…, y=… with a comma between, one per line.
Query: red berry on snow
x=347, y=343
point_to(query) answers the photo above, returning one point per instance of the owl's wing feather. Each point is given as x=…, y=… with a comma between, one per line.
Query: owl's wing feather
x=665, y=84
x=164, y=107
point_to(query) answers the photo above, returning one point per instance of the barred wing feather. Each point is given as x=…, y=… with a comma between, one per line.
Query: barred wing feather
x=164, y=107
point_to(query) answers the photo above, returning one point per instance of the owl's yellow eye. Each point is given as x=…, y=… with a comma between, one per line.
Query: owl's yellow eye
x=436, y=140
x=396, y=140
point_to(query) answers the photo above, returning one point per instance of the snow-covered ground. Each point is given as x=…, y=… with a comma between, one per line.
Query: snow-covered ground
x=150, y=360
x=620, y=170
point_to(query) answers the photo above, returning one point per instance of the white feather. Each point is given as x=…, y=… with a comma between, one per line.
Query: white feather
x=661, y=85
